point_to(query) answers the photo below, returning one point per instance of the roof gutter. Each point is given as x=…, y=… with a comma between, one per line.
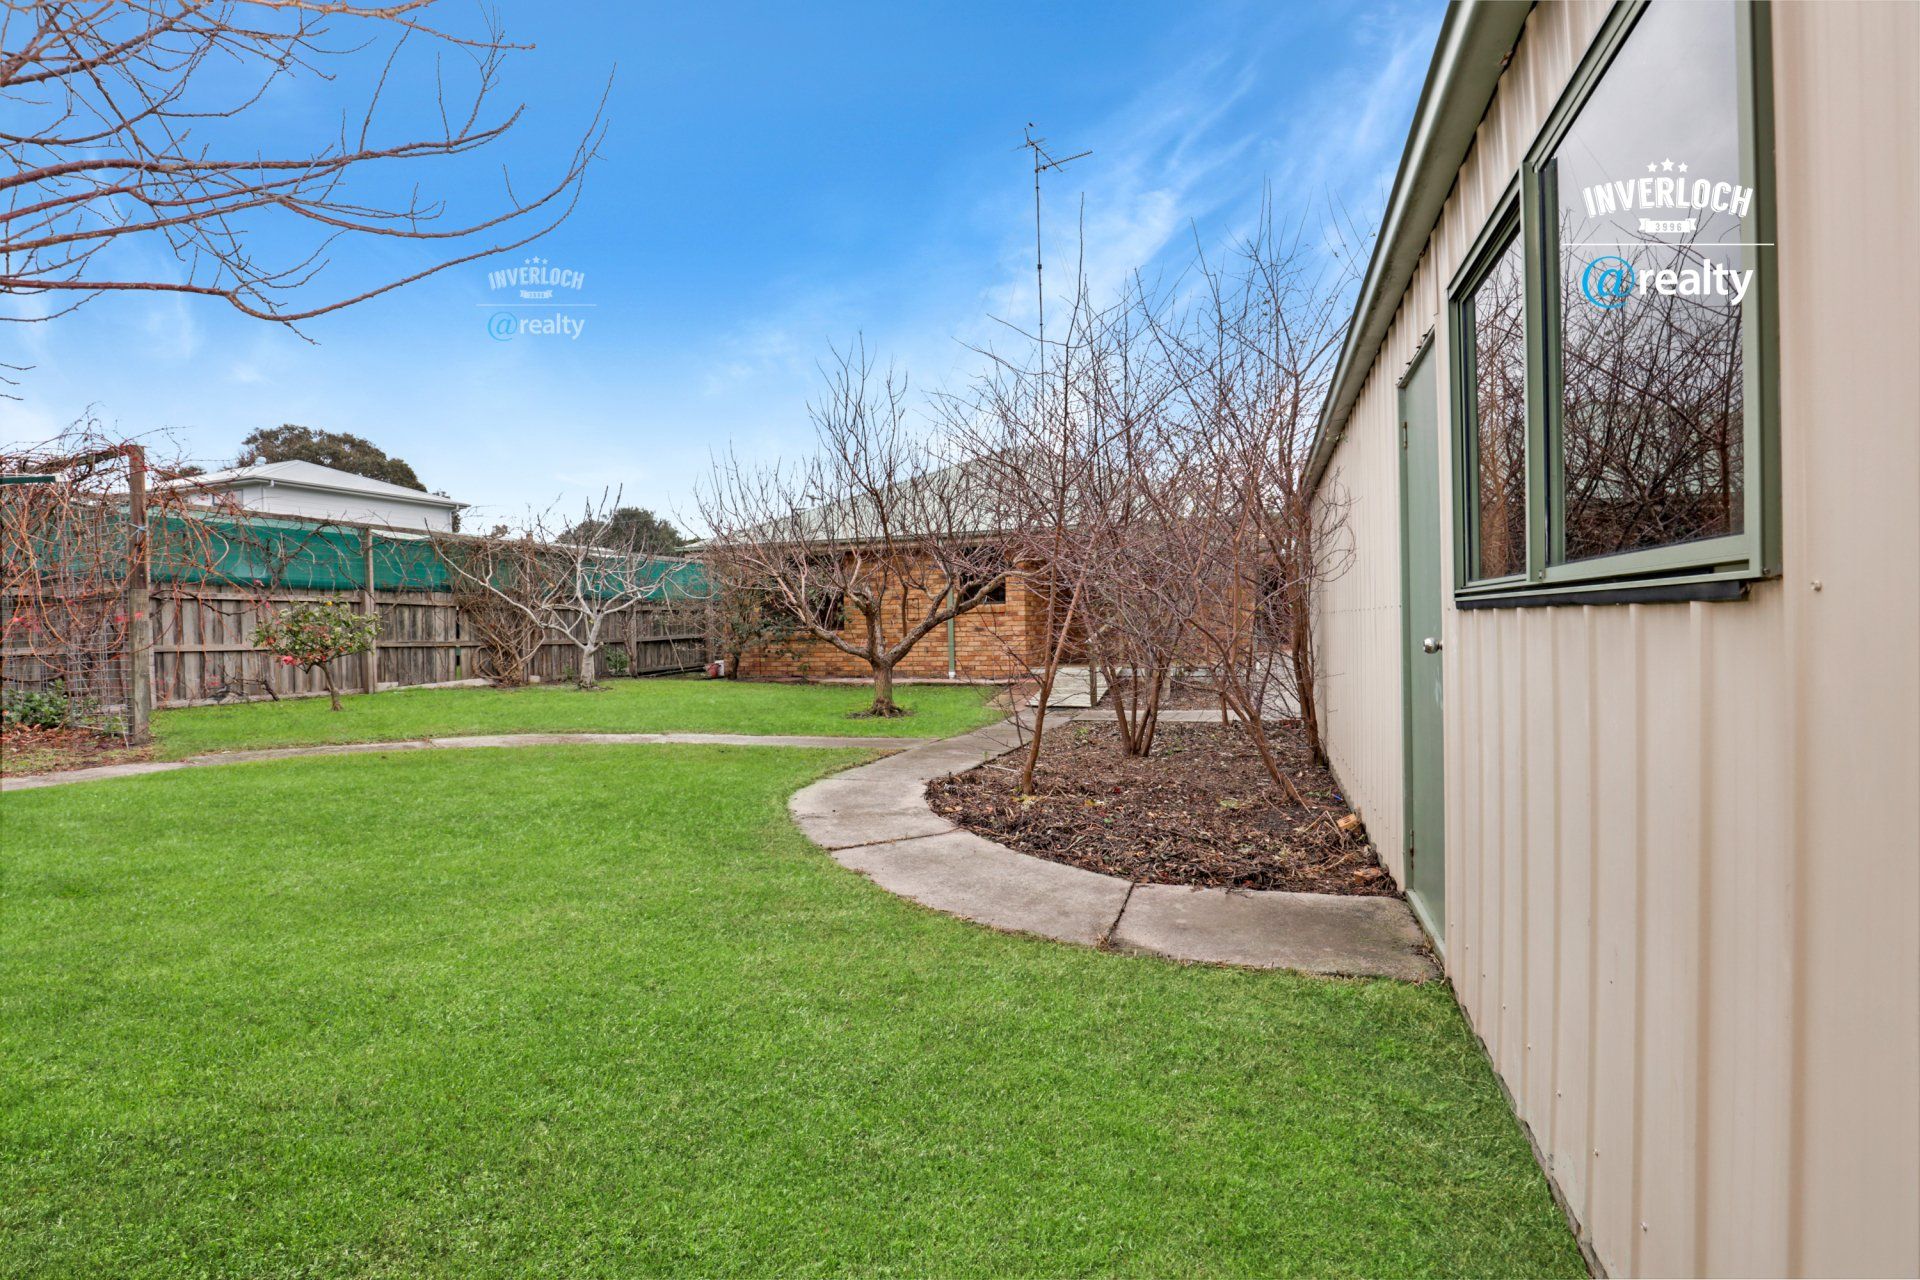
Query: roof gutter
x=1475, y=40
x=274, y=482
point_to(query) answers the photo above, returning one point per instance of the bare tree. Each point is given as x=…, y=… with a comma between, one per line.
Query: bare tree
x=1253, y=357
x=1064, y=432
x=868, y=545
x=120, y=132
x=573, y=588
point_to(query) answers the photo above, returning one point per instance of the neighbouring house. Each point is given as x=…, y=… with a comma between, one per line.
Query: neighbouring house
x=1624, y=676
x=314, y=492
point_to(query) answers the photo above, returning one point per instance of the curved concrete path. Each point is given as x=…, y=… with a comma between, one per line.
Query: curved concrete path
x=875, y=820
x=31, y=781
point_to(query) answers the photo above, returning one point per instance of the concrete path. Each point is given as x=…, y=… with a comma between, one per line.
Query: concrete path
x=102, y=772
x=1072, y=687
x=875, y=820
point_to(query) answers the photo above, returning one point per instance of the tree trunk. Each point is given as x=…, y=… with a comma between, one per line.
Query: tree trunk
x=1122, y=712
x=1303, y=679
x=586, y=667
x=883, y=704
x=1257, y=732
x=1149, y=727
x=333, y=694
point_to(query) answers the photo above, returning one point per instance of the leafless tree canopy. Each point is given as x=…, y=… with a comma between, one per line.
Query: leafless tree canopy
x=531, y=582
x=496, y=580
x=1152, y=461
x=870, y=543
x=122, y=132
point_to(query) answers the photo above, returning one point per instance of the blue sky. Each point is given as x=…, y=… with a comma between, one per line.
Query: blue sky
x=774, y=179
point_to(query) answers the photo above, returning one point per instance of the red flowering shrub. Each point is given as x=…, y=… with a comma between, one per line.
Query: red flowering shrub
x=313, y=633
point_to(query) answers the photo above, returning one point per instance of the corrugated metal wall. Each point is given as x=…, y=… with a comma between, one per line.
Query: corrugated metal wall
x=1360, y=623
x=1684, y=840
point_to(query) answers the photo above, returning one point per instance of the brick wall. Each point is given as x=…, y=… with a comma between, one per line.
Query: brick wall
x=989, y=642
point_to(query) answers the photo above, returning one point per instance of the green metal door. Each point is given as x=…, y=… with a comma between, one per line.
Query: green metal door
x=1420, y=642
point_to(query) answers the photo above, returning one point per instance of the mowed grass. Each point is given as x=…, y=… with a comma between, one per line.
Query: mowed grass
x=598, y=1011
x=669, y=705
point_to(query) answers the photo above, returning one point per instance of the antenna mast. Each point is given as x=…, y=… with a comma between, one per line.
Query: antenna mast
x=1042, y=161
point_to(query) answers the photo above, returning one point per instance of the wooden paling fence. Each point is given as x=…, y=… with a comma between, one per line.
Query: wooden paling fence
x=217, y=576
x=203, y=650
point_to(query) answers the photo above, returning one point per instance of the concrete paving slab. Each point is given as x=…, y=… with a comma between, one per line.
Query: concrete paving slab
x=1072, y=687
x=99, y=773
x=1267, y=929
x=976, y=879
x=927, y=763
x=842, y=811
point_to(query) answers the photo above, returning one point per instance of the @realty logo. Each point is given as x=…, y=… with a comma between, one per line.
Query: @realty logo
x=1608, y=282
x=1667, y=201
x=532, y=301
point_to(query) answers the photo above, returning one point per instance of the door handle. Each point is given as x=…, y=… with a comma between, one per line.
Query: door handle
x=1430, y=645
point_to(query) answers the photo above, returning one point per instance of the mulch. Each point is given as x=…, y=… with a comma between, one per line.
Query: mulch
x=1200, y=811
x=1177, y=695
x=24, y=751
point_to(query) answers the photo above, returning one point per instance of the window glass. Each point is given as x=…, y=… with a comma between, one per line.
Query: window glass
x=1498, y=314
x=1648, y=192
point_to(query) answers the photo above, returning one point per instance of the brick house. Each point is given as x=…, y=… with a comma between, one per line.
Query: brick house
x=996, y=640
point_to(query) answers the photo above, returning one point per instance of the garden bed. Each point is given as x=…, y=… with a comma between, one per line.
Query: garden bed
x=1176, y=695
x=1200, y=811
x=25, y=751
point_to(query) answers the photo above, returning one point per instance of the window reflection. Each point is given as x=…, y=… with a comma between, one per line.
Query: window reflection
x=1500, y=414
x=1646, y=186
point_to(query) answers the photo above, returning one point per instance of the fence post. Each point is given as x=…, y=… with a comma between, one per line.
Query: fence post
x=139, y=604
x=370, y=660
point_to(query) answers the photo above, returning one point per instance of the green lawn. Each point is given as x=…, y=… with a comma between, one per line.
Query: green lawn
x=601, y=1011
x=618, y=706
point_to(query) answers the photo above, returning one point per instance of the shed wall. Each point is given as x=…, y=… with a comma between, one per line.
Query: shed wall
x=1683, y=894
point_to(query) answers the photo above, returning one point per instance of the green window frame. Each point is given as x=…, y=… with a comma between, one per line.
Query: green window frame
x=1494, y=242
x=1714, y=567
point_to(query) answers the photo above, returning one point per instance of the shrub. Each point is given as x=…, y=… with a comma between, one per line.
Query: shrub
x=617, y=662
x=48, y=708
x=311, y=634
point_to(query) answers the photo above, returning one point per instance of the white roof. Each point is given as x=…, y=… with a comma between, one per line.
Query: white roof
x=309, y=475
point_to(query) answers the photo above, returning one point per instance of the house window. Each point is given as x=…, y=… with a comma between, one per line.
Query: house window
x=1629, y=445
x=967, y=583
x=1490, y=326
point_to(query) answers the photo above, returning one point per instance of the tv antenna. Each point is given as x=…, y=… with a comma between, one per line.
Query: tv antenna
x=1043, y=161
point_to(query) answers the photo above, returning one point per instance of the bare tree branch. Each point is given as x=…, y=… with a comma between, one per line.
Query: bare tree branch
x=123, y=144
